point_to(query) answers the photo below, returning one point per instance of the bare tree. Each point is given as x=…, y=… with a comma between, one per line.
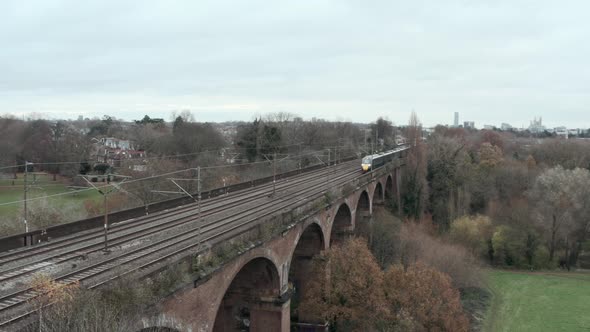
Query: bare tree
x=558, y=196
x=185, y=115
x=382, y=133
x=146, y=183
x=415, y=187
x=51, y=293
x=447, y=163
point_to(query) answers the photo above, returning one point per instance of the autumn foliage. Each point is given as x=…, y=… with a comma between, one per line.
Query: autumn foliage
x=351, y=296
x=426, y=296
x=52, y=293
x=418, y=244
x=356, y=295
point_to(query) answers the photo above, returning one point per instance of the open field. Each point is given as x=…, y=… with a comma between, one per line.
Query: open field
x=12, y=191
x=550, y=301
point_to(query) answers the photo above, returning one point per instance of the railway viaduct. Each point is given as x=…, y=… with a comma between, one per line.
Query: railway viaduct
x=241, y=265
x=256, y=287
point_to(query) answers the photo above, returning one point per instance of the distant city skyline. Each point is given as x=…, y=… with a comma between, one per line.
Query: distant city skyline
x=226, y=116
x=478, y=125
x=501, y=62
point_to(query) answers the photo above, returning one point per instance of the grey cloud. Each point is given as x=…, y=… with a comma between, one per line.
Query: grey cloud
x=505, y=61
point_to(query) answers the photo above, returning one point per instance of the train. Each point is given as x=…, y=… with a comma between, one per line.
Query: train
x=371, y=162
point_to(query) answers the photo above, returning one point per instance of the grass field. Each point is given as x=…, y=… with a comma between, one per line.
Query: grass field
x=12, y=191
x=552, y=301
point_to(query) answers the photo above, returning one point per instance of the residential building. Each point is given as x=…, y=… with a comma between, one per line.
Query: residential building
x=506, y=127
x=114, y=151
x=115, y=143
x=561, y=131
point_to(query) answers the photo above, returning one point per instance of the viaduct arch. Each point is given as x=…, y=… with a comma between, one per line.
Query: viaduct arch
x=309, y=244
x=341, y=224
x=255, y=290
x=247, y=304
x=378, y=194
x=363, y=215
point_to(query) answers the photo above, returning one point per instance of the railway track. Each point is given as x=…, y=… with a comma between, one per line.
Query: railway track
x=209, y=230
x=143, y=227
x=22, y=253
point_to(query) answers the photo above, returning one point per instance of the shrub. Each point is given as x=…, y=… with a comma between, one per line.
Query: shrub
x=426, y=296
x=357, y=295
x=116, y=307
x=472, y=232
x=43, y=213
x=10, y=225
x=541, y=259
x=354, y=299
x=456, y=261
x=509, y=247
x=384, y=237
x=54, y=302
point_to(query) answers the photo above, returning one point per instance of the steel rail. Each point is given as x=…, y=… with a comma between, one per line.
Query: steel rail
x=61, y=257
x=22, y=296
x=26, y=252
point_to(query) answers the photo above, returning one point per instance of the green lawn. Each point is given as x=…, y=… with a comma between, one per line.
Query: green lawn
x=552, y=301
x=12, y=191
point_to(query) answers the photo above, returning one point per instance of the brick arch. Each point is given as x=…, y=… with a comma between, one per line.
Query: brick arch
x=310, y=243
x=254, y=283
x=341, y=224
x=363, y=213
x=377, y=198
x=389, y=193
x=363, y=201
x=317, y=221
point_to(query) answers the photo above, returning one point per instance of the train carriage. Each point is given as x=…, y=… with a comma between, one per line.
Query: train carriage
x=374, y=161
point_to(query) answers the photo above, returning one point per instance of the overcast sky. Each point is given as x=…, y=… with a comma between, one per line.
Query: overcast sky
x=492, y=61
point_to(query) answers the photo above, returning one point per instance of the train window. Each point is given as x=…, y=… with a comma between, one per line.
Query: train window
x=366, y=160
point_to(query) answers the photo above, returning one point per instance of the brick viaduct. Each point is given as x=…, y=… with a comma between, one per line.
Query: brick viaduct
x=258, y=284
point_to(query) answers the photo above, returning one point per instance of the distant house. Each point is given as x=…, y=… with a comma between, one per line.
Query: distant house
x=506, y=127
x=114, y=151
x=117, y=156
x=116, y=143
x=561, y=131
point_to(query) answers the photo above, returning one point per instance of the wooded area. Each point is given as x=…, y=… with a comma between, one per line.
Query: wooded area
x=471, y=199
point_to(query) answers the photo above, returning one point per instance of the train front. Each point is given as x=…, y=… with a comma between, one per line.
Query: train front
x=366, y=163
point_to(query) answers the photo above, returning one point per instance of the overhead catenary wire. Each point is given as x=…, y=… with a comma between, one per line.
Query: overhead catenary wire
x=73, y=192
x=140, y=158
x=217, y=150
x=126, y=183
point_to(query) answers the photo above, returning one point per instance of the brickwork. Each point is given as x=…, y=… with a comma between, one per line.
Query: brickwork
x=256, y=287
